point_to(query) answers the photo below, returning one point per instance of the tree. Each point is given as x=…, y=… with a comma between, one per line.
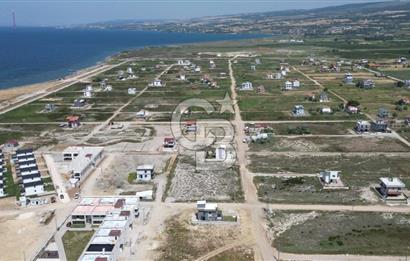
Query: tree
x=353, y=103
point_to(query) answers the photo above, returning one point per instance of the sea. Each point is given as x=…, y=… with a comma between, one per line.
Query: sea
x=33, y=55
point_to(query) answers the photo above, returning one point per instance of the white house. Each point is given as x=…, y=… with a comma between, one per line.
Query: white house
x=87, y=94
x=130, y=71
x=363, y=126
x=348, y=78
x=283, y=72
x=33, y=188
x=298, y=110
x=352, y=109
x=142, y=114
x=184, y=62
x=296, y=84
x=132, y=91
x=279, y=76
x=145, y=172
x=288, y=85
x=197, y=69
x=157, y=83
x=325, y=110
x=89, y=88
x=246, y=86
x=220, y=153
x=182, y=77
x=81, y=160
x=145, y=195
x=329, y=177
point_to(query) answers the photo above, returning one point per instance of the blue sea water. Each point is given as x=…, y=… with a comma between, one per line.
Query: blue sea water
x=32, y=55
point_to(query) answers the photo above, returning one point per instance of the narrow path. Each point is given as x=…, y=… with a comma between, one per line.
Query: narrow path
x=110, y=119
x=263, y=244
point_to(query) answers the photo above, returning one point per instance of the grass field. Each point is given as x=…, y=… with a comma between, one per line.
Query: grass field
x=331, y=144
x=74, y=243
x=346, y=233
x=302, y=190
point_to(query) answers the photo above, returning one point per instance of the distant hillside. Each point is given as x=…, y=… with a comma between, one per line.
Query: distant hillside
x=371, y=19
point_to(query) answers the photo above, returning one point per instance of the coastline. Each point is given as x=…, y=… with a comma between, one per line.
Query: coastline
x=19, y=94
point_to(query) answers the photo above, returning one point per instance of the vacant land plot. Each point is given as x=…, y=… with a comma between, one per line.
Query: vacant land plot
x=190, y=184
x=332, y=144
x=237, y=254
x=183, y=241
x=114, y=178
x=329, y=128
x=341, y=233
x=74, y=243
x=359, y=167
x=303, y=190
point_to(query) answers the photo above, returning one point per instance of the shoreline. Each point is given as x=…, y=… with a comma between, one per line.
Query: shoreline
x=14, y=96
x=19, y=92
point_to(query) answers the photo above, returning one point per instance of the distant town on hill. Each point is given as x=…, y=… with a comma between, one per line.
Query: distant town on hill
x=379, y=20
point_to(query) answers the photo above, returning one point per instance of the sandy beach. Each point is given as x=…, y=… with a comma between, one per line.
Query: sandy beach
x=14, y=96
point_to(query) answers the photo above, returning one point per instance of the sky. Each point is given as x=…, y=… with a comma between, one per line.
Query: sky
x=72, y=12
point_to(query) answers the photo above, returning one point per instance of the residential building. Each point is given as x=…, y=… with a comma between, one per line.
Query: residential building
x=326, y=110
x=208, y=211
x=190, y=127
x=279, y=75
x=132, y=91
x=130, y=70
x=158, y=83
x=3, y=171
x=253, y=67
x=30, y=180
x=169, y=143
x=184, y=62
x=246, y=86
x=270, y=76
x=391, y=187
x=73, y=121
x=79, y=104
x=145, y=172
x=142, y=114
x=288, y=85
x=380, y=125
x=407, y=83
x=11, y=144
x=329, y=177
x=383, y=113
x=363, y=126
x=49, y=107
x=323, y=97
x=402, y=60
x=81, y=160
x=296, y=84
x=352, y=109
x=114, y=218
x=298, y=110
x=145, y=195
x=367, y=84
x=220, y=153
x=87, y=94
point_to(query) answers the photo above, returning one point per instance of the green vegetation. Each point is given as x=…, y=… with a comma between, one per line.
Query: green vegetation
x=132, y=177
x=74, y=243
x=352, y=233
x=12, y=189
x=302, y=190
